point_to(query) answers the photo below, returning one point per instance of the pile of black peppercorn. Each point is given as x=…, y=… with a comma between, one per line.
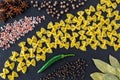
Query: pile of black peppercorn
x=58, y=8
x=69, y=71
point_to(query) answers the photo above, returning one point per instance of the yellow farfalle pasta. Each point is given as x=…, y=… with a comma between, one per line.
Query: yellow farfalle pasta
x=40, y=57
x=4, y=73
x=34, y=45
x=21, y=67
x=33, y=39
x=13, y=75
x=38, y=33
x=70, y=16
x=116, y=47
x=20, y=59
x=50, y=25
x=88, y=12
x=114, y=5
x=118, y=1
x=9, y=64
x=14, y=56
x=49, y=33
x=31, y=51
x=109, y=12
x=62, y=23
x=26, y=56
x=77, y=45
x=22, y=44
x=66, y=45
x=32, y=62
x=103, y=45
x=92, y=8
x=49, y=50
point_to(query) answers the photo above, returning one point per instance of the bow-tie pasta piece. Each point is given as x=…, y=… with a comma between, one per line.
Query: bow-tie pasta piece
x=34, y=39
x=109, y=3
x=64, y=39
x=20, y=59
x=44, y=39
x=43, y=30
x=40, y=57
x=49, y=33
x=26, y=56
x=92, y=8
x=22, y=44
x=14, y=56
x=34, y=45
x=54, y=45
x=80, y=13
x=77, y=45
x=82, y=37
x=83, y=46
x=39, y=34
x=64, y=29
x=13, y=75
x=59, y=32
x=31, y=40
x=116, y=47
x=32, y=62
x=87, y=11
x=75, y=20
x=118, y=1
x=21, y=67
x=66, y=45
x=103, y=45
x=69, y=18
x=115, y=25
x=95, y=44
x=102, y=1
x=49, y=50
x=31, y=51
x=109, y=12
x=23, y=47
x=116, y=14
x=39, y=43
x=114, y=5
x=44, y=50
x=62, y=23
x=50, y=25
x=39, y=50
x=9, y=64
x=101, y=7
x=4, y=73
x=61, y=45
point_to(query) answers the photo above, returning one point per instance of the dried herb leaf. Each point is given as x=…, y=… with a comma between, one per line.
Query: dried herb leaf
x=118, y=72
x=104, y=67
x=110, y=77
x=114, y=62
x=97, y=76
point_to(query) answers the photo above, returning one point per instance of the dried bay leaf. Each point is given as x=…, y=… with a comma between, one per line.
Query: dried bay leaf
x=97, y=76
x=110, y=77
x=114, y=62
x=118, y=72
x=104, y=67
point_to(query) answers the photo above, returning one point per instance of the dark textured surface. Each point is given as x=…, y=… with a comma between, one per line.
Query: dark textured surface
x=88, y=55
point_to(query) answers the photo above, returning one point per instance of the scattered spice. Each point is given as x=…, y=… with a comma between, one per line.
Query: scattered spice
x=69, y=71
x=13, y=31
x=108, y=71
x=57, y=8
x=53, y=60
x=10, y=8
